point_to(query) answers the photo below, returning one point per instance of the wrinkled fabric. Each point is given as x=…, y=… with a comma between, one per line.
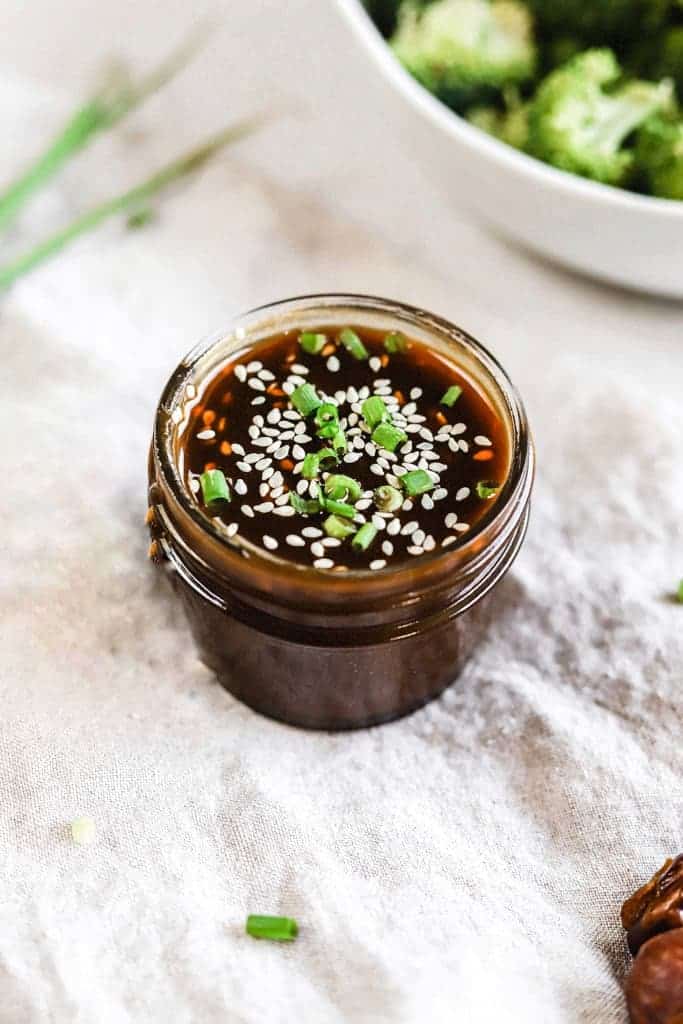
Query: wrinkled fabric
x=464, y=864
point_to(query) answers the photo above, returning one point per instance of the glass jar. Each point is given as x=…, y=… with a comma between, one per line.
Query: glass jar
x=294, y=642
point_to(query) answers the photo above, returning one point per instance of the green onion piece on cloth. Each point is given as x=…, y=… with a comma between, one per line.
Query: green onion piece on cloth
x=278, y=929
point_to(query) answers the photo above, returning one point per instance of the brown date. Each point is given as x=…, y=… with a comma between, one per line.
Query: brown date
x=656, y=907
x=654, y=988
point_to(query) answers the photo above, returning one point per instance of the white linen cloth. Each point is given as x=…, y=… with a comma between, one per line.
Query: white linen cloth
x=465, y=864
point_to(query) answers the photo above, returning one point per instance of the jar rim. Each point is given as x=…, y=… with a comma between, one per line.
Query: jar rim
x=226, y=555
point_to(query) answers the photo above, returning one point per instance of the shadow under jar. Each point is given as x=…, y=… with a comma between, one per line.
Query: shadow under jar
x=295, y=617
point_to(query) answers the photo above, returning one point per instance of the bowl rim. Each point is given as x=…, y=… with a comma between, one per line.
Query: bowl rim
x=499, y=152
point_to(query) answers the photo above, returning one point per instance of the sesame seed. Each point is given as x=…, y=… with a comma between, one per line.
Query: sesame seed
x=409, y=408
x=331, y=542
x=340, y=397
x=283, y=452
x=295, y=541
x=259, y=400
x=269, y=542
x=418, y=537
x=482, y=441
x=375, y=364
x=241, y=372
x=461, y=527
x=257, y=384
x=378, y=522
x=378, y=563
x=288, y=387
x=283, y=510
x=244, y=466
x=394, y=527
x=274, y=416
x=427, y=503
x=333, y=364
x=263, y=489
x=206, y=435
x=254, y=366
x=277, y=479
x=363, y=504
x=450, y=520
x=415, y=550
x=232, y=529
x=429, y=543
x=416, y=393
x=238, y=449
x=312, y=531
x=267, y=473
x=248, y=511
x=194, y=484
x=458, y=428
x=448, y=540
x=302, y=487
x=295, y=380
x=407, y=505
x=275, y=491
x=351, y=395
x=323, y=563
x=263, y=463
x=263, y=442
x=266, y=375
x=298, y=452
x=283, y=499
x=462, y=493
x=387, y=548
x=410, y=528
x=439, y=494
x=352, y=457
x=377, y=470
x=370, y=449
x=317, y=549
x=264, y=506
x=291, y=414
x=298, y=368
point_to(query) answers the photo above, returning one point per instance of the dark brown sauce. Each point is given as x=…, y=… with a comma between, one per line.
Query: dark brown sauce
x=222, y=435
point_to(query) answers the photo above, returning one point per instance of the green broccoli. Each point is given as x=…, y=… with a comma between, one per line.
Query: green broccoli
x=510, y=125
x=466, y=51
x=659, y=157
x=577, y=125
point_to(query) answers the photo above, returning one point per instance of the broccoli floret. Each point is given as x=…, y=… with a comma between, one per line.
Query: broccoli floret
x=466, y=51
x=510, y=124
x=577, y=125
x=659, y=157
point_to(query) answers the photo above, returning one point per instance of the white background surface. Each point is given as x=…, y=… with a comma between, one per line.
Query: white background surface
x=473, y=855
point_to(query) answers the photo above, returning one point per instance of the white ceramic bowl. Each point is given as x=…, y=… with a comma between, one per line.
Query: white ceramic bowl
x=632, y=240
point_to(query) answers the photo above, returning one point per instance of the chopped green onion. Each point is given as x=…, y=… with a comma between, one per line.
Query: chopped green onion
x=83, y=831
x=335, y=526
x=374, y=411
x=279, y=929
x=396, y=342
x=339, y=486
x=364, y=537
x=352, y=343
x=311, y=466
x=305, y=399
x=304, y=506
x=328, y=457
x=326, y=414
x=386, y=435
x=214, y=486
x=338, y=508
x=339, y=443
x=679, y=592
x=487, y=488
x=452, y=395
x=387, y=498
x=312, y=343
x=417, y=481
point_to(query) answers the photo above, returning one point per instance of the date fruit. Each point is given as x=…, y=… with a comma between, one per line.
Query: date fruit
x=656, y=907
x=654, y=988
